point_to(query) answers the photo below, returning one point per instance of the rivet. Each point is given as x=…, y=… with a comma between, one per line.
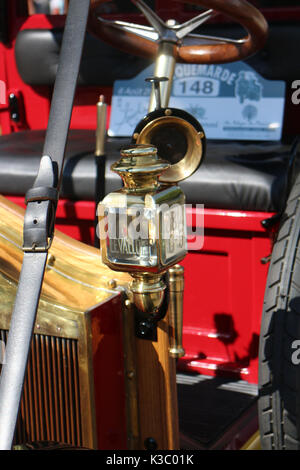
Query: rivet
x=112, y=283
x=150, y=443
x=51, y=259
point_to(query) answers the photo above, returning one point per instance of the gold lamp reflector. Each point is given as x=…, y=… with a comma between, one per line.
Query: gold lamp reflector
x=179, y=139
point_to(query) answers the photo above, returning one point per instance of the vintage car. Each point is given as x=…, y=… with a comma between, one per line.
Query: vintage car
x=189, y=344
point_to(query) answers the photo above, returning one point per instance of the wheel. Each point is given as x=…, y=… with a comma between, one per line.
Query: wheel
x=190, y=48
x=279, y=349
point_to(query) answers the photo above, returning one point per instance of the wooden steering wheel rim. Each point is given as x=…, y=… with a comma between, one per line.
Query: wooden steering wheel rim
x=238, y=10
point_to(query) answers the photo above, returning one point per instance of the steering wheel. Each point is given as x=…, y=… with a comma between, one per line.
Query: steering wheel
x=190, y=48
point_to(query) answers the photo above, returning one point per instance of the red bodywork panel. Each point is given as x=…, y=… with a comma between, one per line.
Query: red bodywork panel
x=110, y=403
x=223, y=297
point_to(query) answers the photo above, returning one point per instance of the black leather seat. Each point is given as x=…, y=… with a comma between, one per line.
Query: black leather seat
x=238, y=176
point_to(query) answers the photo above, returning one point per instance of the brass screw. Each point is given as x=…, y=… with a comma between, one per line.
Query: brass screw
x=112, y=283
x=136, y=135
x=168, y=112
x=51, y=259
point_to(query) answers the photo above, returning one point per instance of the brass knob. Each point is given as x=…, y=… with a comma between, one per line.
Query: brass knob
x=175, y=310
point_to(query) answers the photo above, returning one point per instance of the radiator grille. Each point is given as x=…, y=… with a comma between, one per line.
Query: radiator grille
x=50, y=406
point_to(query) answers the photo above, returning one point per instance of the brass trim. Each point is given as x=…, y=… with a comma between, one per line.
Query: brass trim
x=175, y=310
x=101, y=127
x=139, y=167
x=147, y=291
x=164, y=67
x=86, y=383
x=253, y=443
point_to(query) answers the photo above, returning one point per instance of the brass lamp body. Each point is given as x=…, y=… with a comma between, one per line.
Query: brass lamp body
x=142, y=225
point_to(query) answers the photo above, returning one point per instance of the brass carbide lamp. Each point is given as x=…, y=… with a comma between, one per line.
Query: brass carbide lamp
x=142, y=225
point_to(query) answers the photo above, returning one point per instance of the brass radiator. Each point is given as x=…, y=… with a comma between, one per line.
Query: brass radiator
x=58, y=401
x=58, y=375
x=50, y=408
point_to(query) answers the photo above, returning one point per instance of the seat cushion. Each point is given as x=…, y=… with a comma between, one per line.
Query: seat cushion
x=237, y=176
x=241, y=176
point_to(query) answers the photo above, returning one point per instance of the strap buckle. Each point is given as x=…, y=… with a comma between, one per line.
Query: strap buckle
x=41, y=201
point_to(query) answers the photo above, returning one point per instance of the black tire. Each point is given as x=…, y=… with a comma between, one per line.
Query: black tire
x=279, y=372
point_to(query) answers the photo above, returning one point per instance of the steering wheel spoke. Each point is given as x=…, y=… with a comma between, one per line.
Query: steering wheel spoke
x=146, y=32
x=153, y=19
x=201, y=39
x=189, y=26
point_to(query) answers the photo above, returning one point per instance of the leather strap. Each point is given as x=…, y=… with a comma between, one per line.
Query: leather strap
x=39, y=221
x=18, y=344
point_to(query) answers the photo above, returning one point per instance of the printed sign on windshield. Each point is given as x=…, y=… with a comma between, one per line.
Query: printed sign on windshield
x=231, y=101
